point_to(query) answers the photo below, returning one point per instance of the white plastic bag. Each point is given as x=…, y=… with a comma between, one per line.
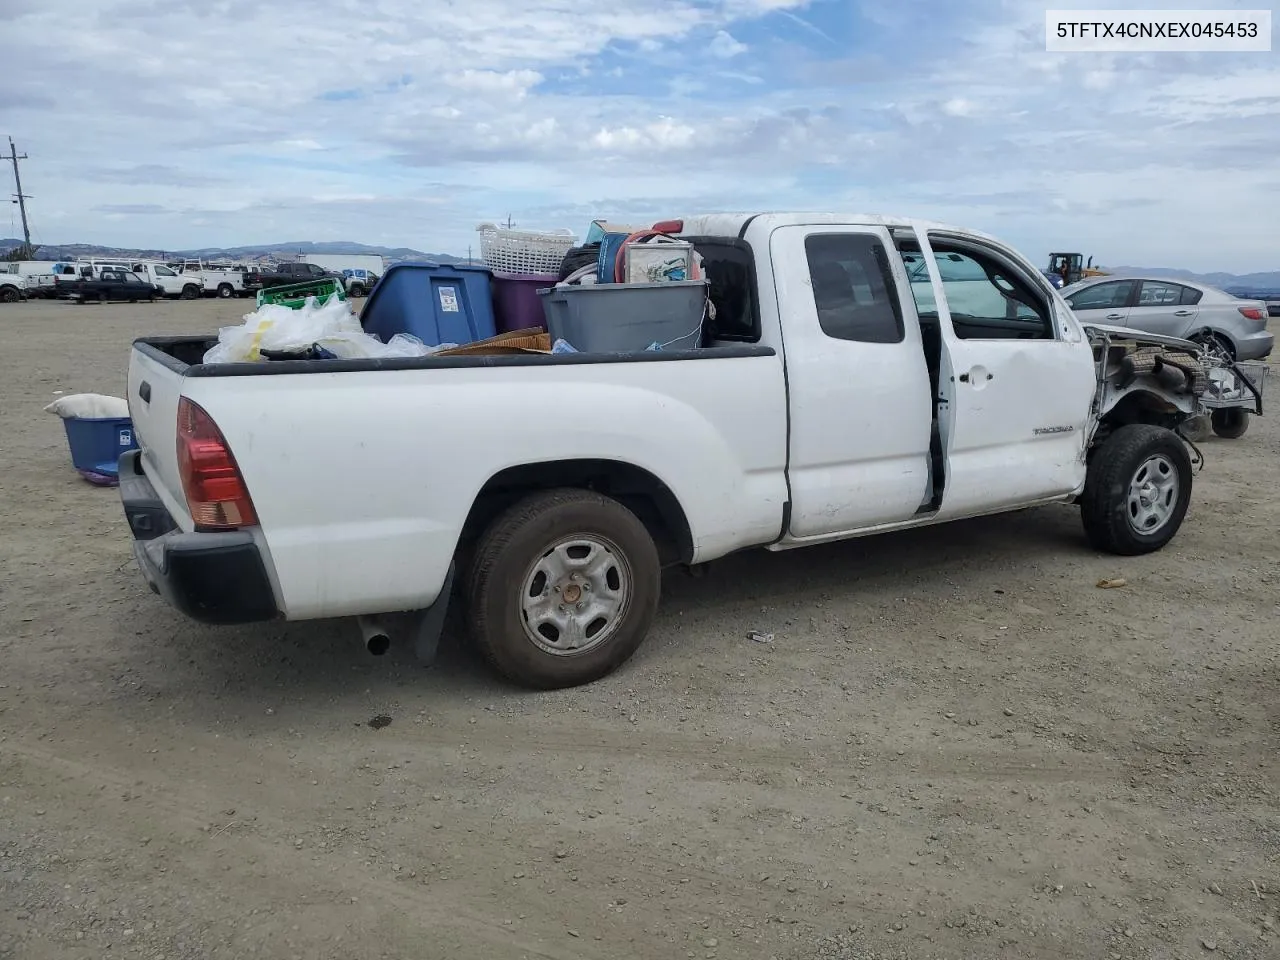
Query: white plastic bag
x=91, y=406
x=276, y=327
x=361, y=345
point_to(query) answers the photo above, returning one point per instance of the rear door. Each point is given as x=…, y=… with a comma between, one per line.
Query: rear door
x=1103, y=303
x=1159, y=308
x=1019, y=376
x=860, y=402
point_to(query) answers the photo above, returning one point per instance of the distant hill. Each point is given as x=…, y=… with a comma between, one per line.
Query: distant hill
x=273, y=251
x=1267, y=282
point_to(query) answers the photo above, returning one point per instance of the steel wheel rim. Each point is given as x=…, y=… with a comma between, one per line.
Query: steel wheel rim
x=1153, y=494
x=576, y=595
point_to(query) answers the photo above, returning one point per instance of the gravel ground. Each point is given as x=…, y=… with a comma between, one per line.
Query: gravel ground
x=956, y=746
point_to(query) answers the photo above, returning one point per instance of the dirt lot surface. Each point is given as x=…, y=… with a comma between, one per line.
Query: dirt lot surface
x=956, y=746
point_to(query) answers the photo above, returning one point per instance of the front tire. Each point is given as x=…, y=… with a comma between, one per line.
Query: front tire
x=189, y=292
x=1230, y=423
x=356, y=290
x=562, y=589
x=1137, y=490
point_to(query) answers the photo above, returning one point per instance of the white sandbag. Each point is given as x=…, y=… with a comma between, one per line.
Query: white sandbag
x=90, y=406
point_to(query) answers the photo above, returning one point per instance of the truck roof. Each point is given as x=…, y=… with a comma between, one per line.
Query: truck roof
x=731, y=224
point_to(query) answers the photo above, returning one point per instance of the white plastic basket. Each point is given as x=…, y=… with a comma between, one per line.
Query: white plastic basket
x=523, y=252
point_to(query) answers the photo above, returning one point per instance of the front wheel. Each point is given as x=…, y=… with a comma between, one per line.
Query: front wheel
x=190, y=292
x=1137, y=490
x=356, y=290
x=562, y=589
x=1230, y=423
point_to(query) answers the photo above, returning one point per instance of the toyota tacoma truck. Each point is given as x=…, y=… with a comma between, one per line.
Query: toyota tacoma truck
x=858, y=375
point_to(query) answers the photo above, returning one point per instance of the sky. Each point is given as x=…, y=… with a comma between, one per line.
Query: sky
x=182, y=124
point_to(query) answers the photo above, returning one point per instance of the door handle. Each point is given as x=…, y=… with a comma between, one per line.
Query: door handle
x=144, y=391
x=1182, y=313
x=1115, y=316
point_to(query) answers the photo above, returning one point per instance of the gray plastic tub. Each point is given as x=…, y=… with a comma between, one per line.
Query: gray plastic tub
x=624, y=317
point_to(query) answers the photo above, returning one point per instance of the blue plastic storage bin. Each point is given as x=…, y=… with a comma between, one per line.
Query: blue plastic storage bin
x=97, y=442
x=433, y=302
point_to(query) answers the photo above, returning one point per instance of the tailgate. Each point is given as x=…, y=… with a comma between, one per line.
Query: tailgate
x=154, y=390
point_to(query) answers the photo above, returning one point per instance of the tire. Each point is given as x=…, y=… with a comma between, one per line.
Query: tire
x=103, y=298
x=189, y=292
x=9, y=295
x=225, y=290
x=1230, y=423
x=534, y=546
x=1137, y=490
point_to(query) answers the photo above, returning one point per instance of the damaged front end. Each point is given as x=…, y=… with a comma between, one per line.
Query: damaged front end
x=1167, y=381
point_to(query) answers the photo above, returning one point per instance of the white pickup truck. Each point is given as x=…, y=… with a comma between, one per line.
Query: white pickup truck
x=833, y=398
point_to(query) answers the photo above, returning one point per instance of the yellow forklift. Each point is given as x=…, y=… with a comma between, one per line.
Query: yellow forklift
x=1072, y=267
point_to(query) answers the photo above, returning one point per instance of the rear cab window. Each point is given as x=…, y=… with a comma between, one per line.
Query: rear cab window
x=853, y=288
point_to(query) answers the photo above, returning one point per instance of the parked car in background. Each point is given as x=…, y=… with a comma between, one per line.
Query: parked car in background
x=36, y=274
x=108, y=285
x=1233, y=327
x=217, y=280
x=299, y=272
x=13, y=287
x=169, y=280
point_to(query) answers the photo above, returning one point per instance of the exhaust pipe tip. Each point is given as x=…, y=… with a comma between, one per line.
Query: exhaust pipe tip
x=376, y=640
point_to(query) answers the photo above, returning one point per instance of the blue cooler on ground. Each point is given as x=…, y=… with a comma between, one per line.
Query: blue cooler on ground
x=96, y=444
x=433, y=302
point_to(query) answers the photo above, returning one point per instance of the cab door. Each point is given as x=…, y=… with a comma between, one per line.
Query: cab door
x=1018, y=375
x=861, y=410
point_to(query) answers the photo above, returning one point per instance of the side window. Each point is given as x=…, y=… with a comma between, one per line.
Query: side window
x=853, y=288
x=1191, y=296
x=164, y=272
x=130, y=278
x=730, y=271
x=1159, y=294
x=987, y=300
x=1102, y=296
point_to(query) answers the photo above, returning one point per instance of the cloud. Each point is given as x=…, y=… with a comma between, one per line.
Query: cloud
x=188, y=123
x=723, y=46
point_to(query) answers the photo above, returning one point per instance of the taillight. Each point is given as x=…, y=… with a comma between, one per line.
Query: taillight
x=1253, y=313
x=216, y=493
x=669, y=226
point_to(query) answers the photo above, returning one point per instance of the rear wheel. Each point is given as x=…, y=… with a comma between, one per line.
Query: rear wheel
x=562, y=588
x=1217, y=345
x=1230, y=423
x=1137, y=490
x=225, y=290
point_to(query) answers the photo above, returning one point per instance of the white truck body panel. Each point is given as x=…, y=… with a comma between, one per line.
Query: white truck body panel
x=388, y=544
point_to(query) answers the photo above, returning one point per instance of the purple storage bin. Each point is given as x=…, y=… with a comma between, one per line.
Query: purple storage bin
x=516, y=304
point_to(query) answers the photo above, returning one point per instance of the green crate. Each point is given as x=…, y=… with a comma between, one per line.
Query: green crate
x=295, y=295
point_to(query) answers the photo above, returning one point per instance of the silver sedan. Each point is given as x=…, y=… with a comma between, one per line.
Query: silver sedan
x=1175, y=308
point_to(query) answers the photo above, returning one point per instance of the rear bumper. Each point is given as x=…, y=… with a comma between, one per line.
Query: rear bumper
x=1256, y=346
x=210, y=577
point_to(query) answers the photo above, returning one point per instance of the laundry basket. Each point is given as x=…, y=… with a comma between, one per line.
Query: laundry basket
x=523, y=252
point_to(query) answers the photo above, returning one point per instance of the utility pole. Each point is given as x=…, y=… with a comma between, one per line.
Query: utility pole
x=508, y=215
x=21, y=197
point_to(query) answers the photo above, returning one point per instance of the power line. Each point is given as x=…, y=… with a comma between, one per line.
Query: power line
x=20, y=198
